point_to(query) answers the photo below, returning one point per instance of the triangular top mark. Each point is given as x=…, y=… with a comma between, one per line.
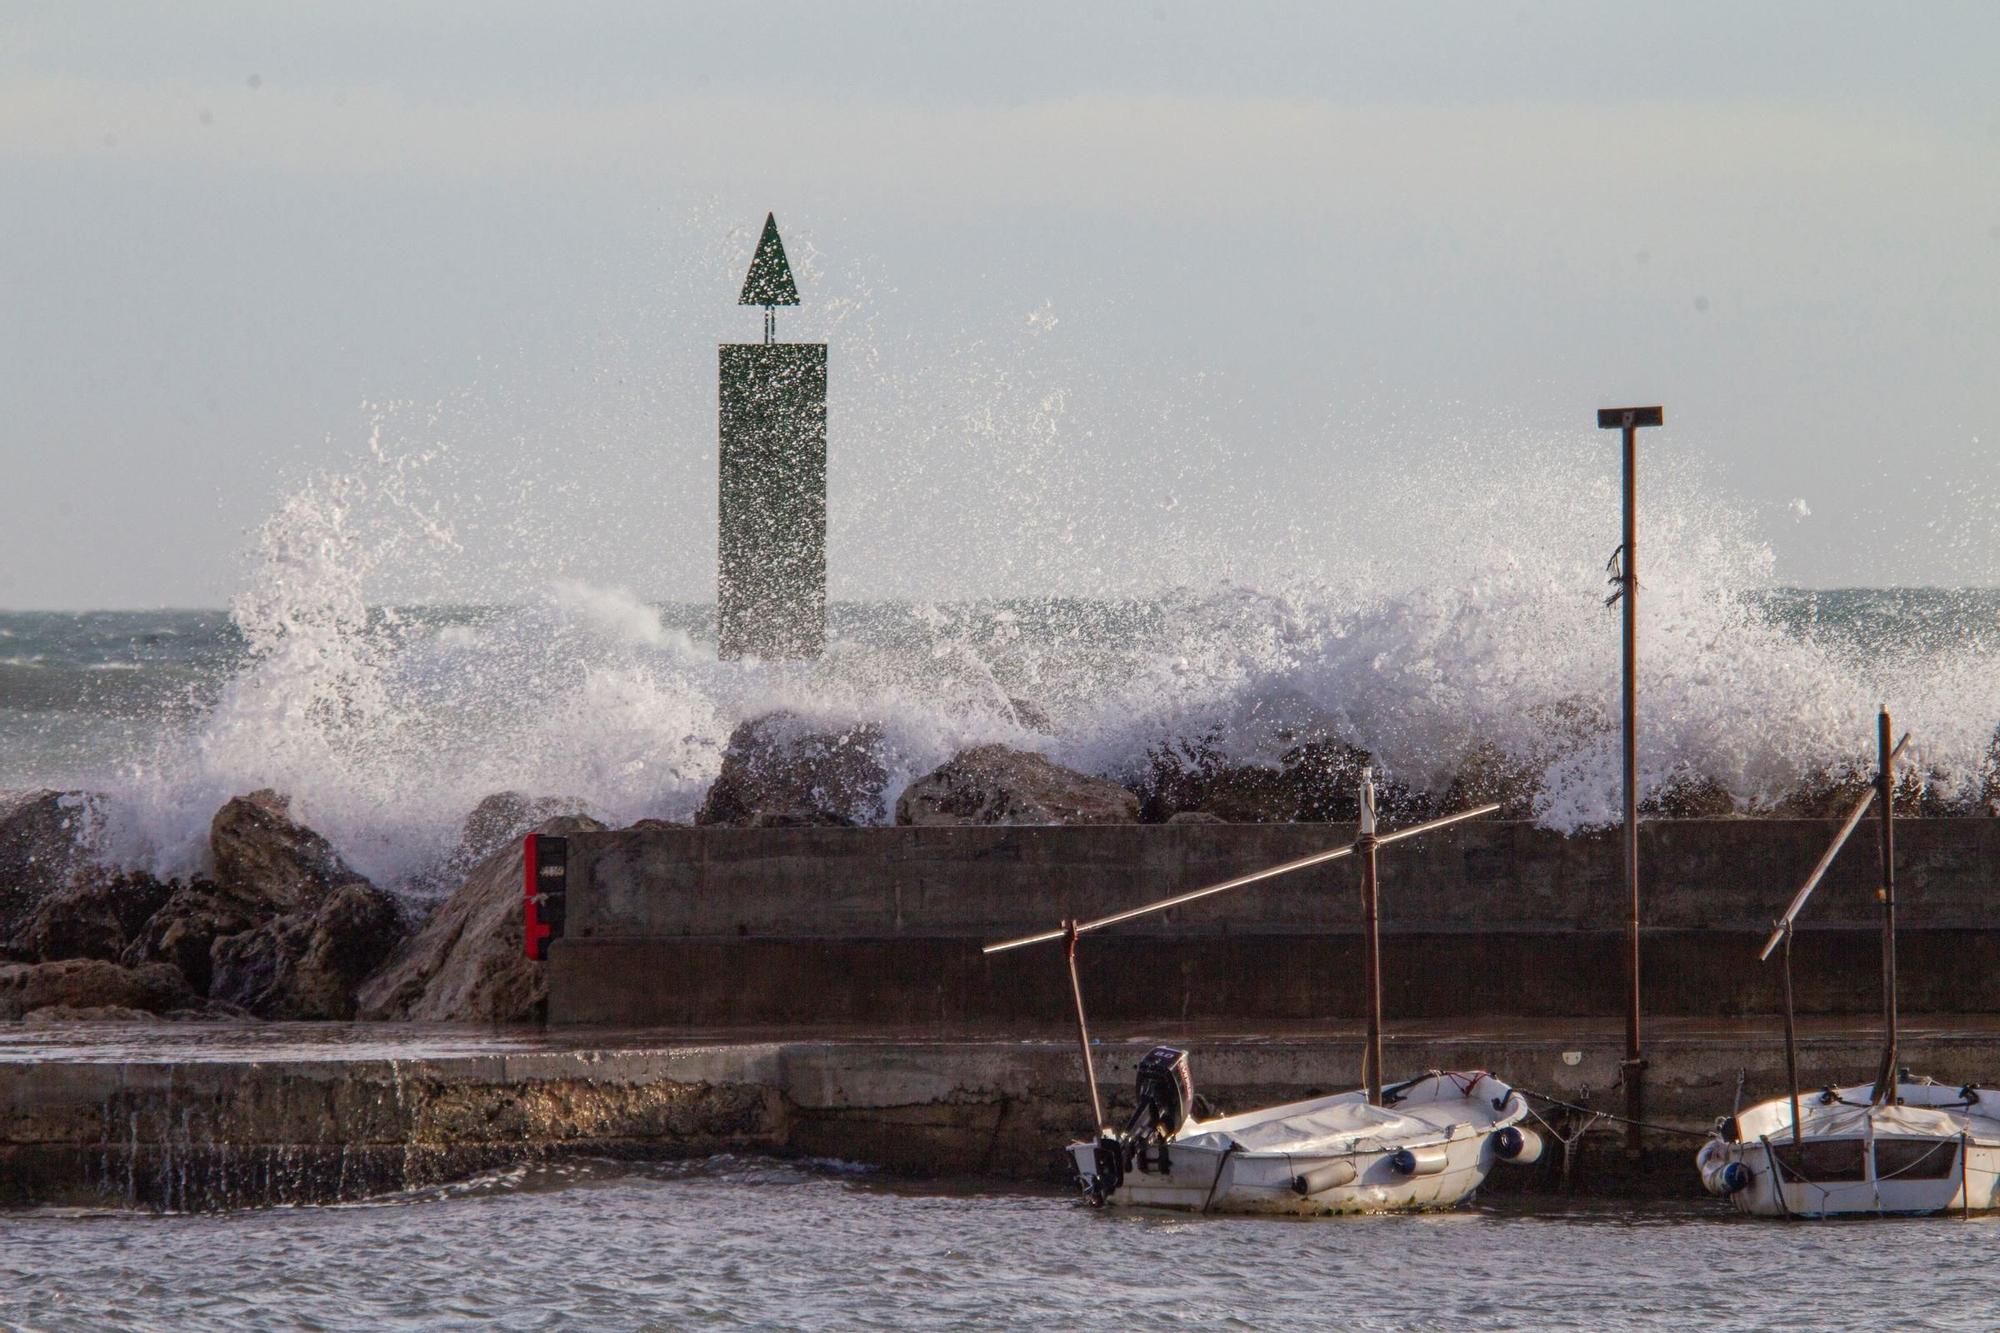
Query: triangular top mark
x=769, y=281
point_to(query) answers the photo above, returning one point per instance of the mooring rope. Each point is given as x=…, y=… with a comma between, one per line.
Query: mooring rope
x=1607, y=1115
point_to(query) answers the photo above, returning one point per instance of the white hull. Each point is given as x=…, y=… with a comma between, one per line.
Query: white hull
x=1252, y=1163
x=1931, y=1153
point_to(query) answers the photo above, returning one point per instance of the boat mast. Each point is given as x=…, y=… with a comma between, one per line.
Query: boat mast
x=1372, y=957
x=1885, y=783
x=1791, y=1039
x=1082, y=1027
x=1781, y=930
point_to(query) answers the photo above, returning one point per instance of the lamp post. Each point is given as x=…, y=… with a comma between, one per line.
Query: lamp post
x=1625, y=573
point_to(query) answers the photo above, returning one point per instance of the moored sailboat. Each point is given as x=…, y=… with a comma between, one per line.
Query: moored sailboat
x=1427, y=1142
x=1897, y=1146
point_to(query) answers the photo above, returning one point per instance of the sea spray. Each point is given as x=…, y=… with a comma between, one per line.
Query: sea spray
x=387, y=727
x=1447, y=601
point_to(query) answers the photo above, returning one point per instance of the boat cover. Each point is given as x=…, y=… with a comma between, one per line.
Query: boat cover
x=1338, y=1124
x=1850, y=1115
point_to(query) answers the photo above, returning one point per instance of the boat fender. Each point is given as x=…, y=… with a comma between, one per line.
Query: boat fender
x=1425, y=1161
x=1726, y=1178
x=1323, y=1177
x=1523, y=1147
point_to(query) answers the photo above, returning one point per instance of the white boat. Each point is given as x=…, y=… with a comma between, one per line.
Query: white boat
x=1898, y=1146
x=1934, y=1148
x=1428, y=1142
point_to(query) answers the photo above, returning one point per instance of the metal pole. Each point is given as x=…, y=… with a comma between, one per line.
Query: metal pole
x=1885, y=781
x=1791, y=1040
x=1372, y=956
x=1628, y=420
x=1635, y=1063
x=1082, y=1029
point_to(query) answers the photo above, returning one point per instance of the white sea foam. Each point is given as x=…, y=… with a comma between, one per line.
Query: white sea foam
x=1459, y=602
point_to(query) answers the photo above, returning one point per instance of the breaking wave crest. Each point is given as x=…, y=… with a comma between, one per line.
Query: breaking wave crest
x=1455, y=605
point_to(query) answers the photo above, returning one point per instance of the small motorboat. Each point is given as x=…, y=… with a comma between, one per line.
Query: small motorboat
x=1898, y=1146
x=1427, y=1142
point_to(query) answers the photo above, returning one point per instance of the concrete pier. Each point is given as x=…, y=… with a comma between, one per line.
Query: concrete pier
x=204, y=1116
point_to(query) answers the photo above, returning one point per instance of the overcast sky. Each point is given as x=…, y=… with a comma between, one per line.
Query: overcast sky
x=1102, y=281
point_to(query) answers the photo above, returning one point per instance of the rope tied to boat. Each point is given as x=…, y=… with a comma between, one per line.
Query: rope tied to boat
x=1569, y=1140
x=1596, y=1114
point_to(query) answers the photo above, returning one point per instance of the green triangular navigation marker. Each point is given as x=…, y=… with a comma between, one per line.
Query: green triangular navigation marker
x=769, y=281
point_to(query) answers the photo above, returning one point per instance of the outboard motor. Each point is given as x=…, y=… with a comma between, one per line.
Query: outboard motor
x=1165, y=1094
x=1163, y=1101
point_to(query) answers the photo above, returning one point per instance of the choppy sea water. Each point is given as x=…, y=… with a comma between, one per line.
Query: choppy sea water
x=732, y=1243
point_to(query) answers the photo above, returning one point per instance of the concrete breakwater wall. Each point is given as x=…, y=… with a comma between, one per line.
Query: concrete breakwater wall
x=712, y=926
x=343, y=1112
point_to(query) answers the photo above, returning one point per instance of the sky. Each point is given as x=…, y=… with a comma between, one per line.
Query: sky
x=1116, y=294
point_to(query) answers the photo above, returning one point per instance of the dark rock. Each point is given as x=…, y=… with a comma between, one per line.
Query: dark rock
x=503, y=817
x=467, y=962
x=1193, y=775
x=1195, y=817
x=45, y=839
x=1690, y=795
x=1831, y=793
x=1325, y=779
x=184, y=930
x=1319, y=780
x=651, y=825
x=994, y=784
x=262, y=854
x=1487, y=774
x=91, y=983
x=781, y=771
x=96, y=916
x=308, y=965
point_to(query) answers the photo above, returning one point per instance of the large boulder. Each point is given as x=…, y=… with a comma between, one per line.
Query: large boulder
x=262, y=854
x=995, y=784
x=499, y=819
x=468, y=961
x=183, y=932
x=94, y=916
x=91, y=984
x=1831, y=793
x=267, y=867
x=780, y=770
x=1489, y=774
x=1987, y=799
x=45, y=839
x=308, y=964
x=1316, y=781
x=1188, y=777
x=1687, y=794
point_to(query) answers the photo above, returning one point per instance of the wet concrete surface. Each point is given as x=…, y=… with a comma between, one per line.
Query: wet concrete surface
x=204, y=1115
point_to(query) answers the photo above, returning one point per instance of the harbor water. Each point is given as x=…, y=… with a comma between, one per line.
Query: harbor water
x=748, y=1243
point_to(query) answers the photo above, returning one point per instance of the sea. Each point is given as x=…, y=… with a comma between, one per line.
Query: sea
x=756, y=1244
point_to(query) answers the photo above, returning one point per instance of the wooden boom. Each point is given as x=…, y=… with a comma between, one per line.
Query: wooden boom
x=1269, y=872
x=1826, y=861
